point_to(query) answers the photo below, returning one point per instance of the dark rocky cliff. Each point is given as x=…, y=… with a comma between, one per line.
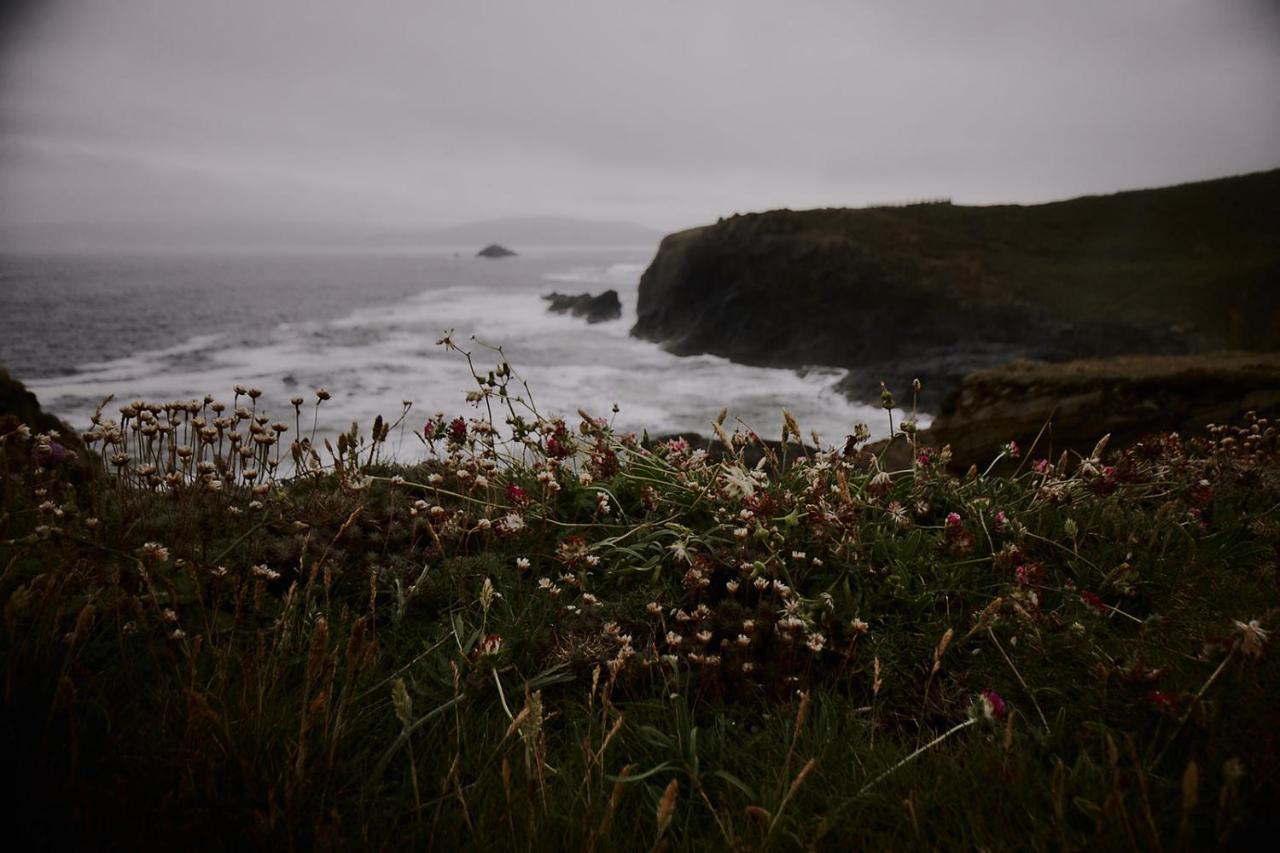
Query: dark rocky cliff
x=938, y=290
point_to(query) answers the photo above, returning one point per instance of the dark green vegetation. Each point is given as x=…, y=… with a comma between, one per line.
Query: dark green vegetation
x=939, y=290
x=1068, y=405
x=563, y=640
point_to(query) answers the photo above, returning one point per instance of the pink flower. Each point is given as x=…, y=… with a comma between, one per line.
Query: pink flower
x=991, y=704
x=953, y=519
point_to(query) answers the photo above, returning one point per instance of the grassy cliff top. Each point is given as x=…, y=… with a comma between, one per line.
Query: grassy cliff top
x=1258, y=367
x=1205, y=256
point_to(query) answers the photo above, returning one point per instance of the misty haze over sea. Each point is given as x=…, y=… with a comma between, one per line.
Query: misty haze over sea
x=364, y=325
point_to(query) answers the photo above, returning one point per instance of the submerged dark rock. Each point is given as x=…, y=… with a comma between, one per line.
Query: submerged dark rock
x=495, y=251
x=596, y=309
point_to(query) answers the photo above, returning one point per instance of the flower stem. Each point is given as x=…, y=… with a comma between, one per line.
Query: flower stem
x=928, y=746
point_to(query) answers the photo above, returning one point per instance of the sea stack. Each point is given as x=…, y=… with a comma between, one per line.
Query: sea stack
x=596, y=309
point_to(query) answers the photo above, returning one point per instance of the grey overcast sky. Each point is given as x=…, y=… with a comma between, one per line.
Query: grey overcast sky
x=415, y=113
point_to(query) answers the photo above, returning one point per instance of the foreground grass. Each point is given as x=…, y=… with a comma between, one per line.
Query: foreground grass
x=569, y=640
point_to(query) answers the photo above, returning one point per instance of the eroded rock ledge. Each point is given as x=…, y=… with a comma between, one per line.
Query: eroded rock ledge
x=1078, y=402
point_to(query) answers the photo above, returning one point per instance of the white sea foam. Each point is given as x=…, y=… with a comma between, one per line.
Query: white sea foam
x=374, y=358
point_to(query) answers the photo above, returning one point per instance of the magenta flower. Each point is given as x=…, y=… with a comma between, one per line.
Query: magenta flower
x=49, y=455
x=991, y=704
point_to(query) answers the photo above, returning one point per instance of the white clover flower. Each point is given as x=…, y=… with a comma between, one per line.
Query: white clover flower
x=1252, y=637
x=155, y=553
x=264, y=572
x=738, y=483
x=522, y=563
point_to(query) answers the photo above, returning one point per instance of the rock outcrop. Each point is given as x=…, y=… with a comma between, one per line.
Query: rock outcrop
x=1076, y=403
x=18, y=406
x=493, y=250
x=595, y=309
x=937, y=291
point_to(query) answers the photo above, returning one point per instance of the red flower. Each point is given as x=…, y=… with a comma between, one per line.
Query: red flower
x=1165, y=702
x=1092, y=599
x=457, y=430
x=517, y=495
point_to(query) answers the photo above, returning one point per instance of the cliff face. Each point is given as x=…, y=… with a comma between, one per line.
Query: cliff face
x=938, y=290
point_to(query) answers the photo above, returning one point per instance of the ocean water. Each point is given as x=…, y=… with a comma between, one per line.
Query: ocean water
x=364, y=325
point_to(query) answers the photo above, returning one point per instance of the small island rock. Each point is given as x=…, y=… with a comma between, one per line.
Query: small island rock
x=493, y=250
